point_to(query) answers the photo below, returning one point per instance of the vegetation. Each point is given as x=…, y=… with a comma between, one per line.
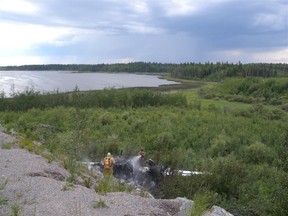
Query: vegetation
x=100, y=204
x=207, y=71
x=272, y=91
x=202, y=202
x=7, y=145
x=3, y=185
x=68, y=186
x=15, y=209
x=95, y=99
x=131, y=67
x=236, y=132
x=220, y=71
x=3, y=201
x=109, y=184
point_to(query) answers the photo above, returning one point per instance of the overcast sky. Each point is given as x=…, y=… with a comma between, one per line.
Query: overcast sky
x=166, y=31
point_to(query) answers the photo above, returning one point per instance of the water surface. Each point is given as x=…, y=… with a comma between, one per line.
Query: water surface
x=63, y=81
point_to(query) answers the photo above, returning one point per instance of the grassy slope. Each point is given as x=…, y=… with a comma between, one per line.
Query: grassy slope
x=196, y=134
x=191, y=90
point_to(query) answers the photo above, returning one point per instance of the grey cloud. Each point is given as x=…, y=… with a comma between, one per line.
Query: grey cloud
x=142, y=30
x=100, y=14
x=230, y=20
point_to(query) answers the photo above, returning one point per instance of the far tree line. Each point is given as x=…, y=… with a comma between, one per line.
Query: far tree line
x=207, y=71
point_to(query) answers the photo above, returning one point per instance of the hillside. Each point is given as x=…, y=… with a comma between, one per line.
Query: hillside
x=235, y=131
x=30, y=185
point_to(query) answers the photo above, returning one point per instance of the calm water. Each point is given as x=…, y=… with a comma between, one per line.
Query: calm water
x=47, y=81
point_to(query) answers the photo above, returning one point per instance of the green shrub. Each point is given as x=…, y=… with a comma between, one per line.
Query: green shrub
x=227, y=175
x=72, y=167
x=212, y=107
x=7, y=145
x=203, y=200
x=257, y=153
x=48, y=156
x=102, y=99
x=87, y=182
x=16, y=210
x=266, y=185
x=221, y=145
x=68, y=185
x=196, y=104
x=3, y=185
x=4, y=201
x=27, y=143
x=110, y=184
x=105, y=119
x=100, y=204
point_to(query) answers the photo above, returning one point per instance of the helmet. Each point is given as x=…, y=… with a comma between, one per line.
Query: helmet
x=108, y=154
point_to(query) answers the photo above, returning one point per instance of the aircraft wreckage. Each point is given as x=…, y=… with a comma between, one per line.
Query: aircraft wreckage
x=141, y=173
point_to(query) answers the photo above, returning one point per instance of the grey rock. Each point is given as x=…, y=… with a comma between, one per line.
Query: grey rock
x=1, y=128
x=185, y=207
x=40, y=188
x=217, y=211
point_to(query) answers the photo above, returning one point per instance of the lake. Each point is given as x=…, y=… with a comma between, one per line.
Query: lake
x=48, y=81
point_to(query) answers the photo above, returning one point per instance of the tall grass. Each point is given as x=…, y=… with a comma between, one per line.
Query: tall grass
x=242, y=151
x=109, y=184
x=101, y=99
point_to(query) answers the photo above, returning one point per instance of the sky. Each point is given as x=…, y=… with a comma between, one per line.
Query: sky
x=123, y=31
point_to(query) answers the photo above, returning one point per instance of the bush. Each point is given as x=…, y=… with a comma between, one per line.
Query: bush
x=183, y=186
x=265, y=185
x=257, y=153
x=100, y=204
x=221, y=145
x=110, y=184
x=227, y=175
x=203, y=200
x=102, y=99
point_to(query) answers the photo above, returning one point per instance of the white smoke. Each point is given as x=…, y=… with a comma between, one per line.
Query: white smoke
x=135, y=162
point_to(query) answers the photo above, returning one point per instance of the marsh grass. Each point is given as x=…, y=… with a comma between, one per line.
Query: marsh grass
x=145, y=194
x=25, y=143
x=3, y=185
x=28, y=144
x=72, y=166
x=202, y=202
x=194, y=99
x=210, y=132
x=100, y=204
x=87, y=182
x=3, y=201
x=110, y=184
x=37, y=149
x=48, y=156
x=7, y=145
x=16, y=209
x=68, y=185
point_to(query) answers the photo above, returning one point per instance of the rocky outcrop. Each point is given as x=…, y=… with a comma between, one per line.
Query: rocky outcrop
x=217, y=211
x=30, y=185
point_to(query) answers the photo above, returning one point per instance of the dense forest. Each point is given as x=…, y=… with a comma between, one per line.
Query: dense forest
x=130, y=67
x=235, y=131
x=208, y=71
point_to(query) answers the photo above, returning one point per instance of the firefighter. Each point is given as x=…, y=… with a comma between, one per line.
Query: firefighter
x=108, y=164
x=141, y=153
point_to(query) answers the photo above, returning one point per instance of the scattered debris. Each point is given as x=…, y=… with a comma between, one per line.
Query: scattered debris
x=143, y=174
